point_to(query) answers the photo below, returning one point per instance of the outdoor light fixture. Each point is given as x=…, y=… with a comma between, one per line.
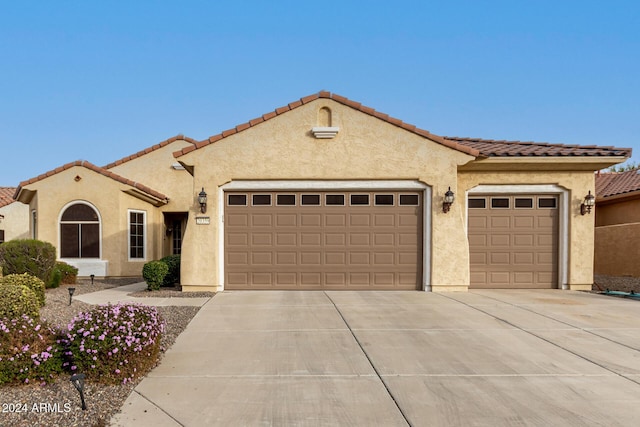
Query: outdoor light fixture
x=202, y=199
x=78, y=382
x=93, y=276
x=589, y=202
x=71, y=291
x=449, y=197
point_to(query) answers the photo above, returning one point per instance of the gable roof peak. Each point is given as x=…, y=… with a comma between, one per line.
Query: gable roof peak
x=337, y=98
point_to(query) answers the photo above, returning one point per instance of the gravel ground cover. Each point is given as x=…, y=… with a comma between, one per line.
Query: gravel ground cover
x=616, y=283
x=58, y=403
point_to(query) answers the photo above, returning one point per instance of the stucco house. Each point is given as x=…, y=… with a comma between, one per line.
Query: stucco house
x=325, y=193
x=617, y=234
x=14, y=216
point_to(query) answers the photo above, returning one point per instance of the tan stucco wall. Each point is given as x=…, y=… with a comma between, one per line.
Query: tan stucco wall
x=580, y=228
x=154, y=170
x=365, y=148
x=15, y=222
x=107, y=196
x=624, y=211
x=617, y=250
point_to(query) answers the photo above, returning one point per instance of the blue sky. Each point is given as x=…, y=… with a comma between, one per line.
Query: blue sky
x=101, y=80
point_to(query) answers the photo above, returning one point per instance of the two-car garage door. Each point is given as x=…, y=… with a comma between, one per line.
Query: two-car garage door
x=323, y=240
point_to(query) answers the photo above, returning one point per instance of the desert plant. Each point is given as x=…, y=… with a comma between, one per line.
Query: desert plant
x=173, y=275
x=114, y=343
x=28, y=256
x=153, y=273
x=31, y=282
x=16, y=301
x=68, y=273
x=28, y=351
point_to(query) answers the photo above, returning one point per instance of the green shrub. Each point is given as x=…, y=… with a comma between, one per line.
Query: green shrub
x=153, y=273
x=28, y=351
x=173, y=276
x=114, y=343
x=28, y=256
x=55, y=280
x=68, y=273
x=16, y=301
x=31, y=282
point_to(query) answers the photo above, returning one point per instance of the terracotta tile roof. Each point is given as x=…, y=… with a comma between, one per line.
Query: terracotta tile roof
x=610, y=184
x=97, y=169
x=342, y=100
x=493, y=148
x=150, y=149
x=6, y=195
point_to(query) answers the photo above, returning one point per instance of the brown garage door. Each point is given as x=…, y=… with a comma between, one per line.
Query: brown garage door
x=323, y=240
x=513, y=241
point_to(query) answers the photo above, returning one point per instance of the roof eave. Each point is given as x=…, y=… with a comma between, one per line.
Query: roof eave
x=544, y=163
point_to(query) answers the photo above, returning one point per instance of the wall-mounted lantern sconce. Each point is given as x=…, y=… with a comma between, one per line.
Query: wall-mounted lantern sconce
x=71, y=291
x=589, y=202
x=202, y=199
x=449, y=197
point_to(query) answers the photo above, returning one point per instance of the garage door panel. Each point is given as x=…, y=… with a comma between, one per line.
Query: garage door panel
x=335, y=220
x=360, y=239
x=336, y=279
x=513, y=247
x=286, y=278
x=310, y=220
x=310, y=239
x=359, y=258
x=286, y=258
x=262, y=239
x=323, y=243
x=238, y=258
x=523, y=258
x=286, y=239
x=310, y=258
x=335, y=258
x=237, y=239
x=360, y=220
x=384, y=239
x=263, y=258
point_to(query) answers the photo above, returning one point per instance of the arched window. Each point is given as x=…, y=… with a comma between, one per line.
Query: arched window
x=80, y=232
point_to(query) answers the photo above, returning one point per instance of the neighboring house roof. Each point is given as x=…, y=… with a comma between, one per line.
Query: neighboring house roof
x=6, y=195
x=102, y=171
x=493, y=148
x=473, y=146
x=150, y=149
x=610, y=184
x=342, y=100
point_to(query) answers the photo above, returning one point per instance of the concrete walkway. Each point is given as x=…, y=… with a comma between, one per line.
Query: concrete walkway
x=483, y=358
x=119, y=294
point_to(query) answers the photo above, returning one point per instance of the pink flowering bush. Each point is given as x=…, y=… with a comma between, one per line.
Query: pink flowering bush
x=113, y=343
x=28, y=351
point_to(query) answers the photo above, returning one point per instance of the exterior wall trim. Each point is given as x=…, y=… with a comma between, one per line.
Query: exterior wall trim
x=333, y=185
x=563, y=214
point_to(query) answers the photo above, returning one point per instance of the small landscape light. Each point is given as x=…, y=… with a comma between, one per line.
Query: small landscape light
x=71, y=291
x=78, y=382
x=93, y=276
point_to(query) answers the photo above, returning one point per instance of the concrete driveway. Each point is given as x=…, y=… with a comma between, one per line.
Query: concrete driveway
x=483, y=358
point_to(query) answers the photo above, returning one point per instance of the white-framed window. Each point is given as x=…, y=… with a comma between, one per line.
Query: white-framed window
x=79, y=231
x=137, y=234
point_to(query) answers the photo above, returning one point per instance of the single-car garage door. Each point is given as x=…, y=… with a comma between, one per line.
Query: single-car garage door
x=513, y=241
x=323, y=240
